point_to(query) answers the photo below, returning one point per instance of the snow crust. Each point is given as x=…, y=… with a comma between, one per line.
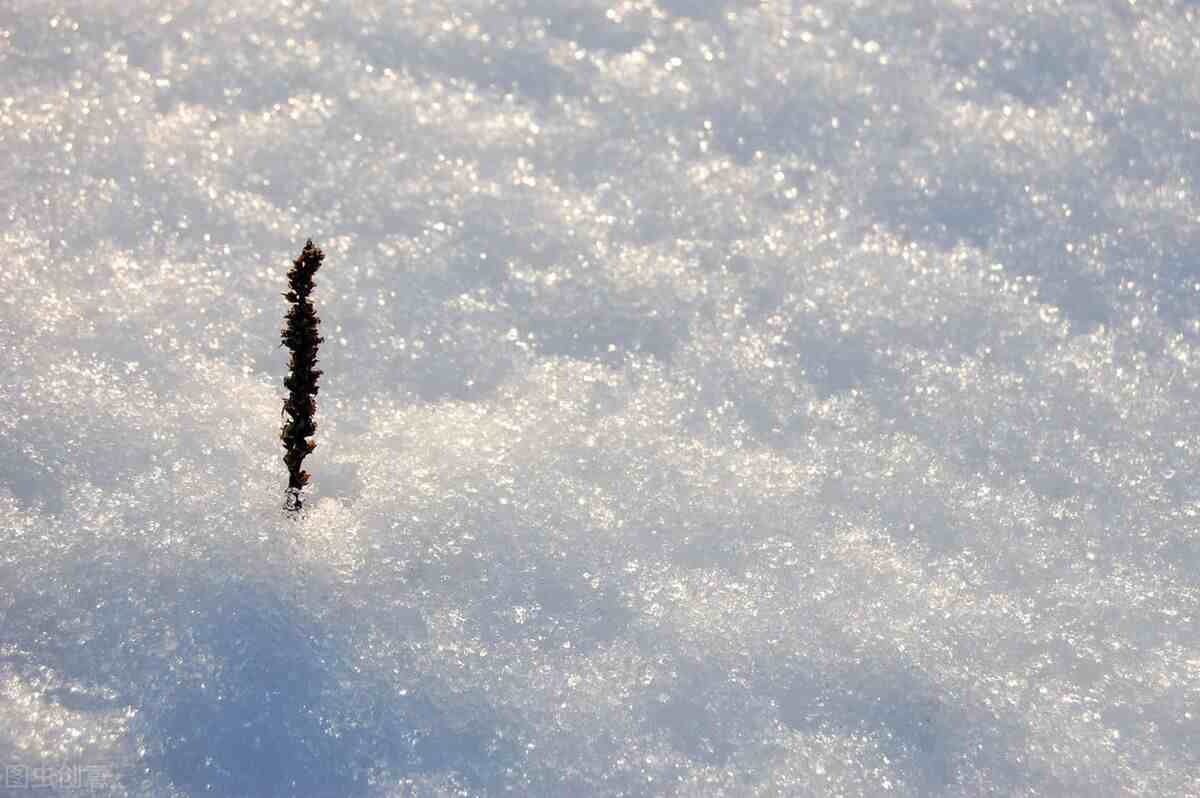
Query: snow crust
x=720, y=398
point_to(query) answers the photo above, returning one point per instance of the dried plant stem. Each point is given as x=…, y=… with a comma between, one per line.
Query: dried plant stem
x=300, y=336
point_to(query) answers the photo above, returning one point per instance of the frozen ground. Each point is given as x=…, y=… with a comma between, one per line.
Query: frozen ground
x=720, y=398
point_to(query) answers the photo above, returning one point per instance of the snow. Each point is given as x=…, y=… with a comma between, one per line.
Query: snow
x=720, y=398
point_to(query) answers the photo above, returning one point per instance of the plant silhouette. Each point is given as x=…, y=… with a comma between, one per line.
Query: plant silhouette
x=300, y=336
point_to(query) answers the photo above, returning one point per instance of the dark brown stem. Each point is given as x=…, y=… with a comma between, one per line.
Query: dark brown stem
x=300, y=336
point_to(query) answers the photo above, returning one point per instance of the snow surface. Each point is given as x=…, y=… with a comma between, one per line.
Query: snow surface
x=720, y=398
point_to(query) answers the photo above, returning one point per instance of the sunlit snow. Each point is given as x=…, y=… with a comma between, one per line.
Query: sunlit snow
x=720, y=398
